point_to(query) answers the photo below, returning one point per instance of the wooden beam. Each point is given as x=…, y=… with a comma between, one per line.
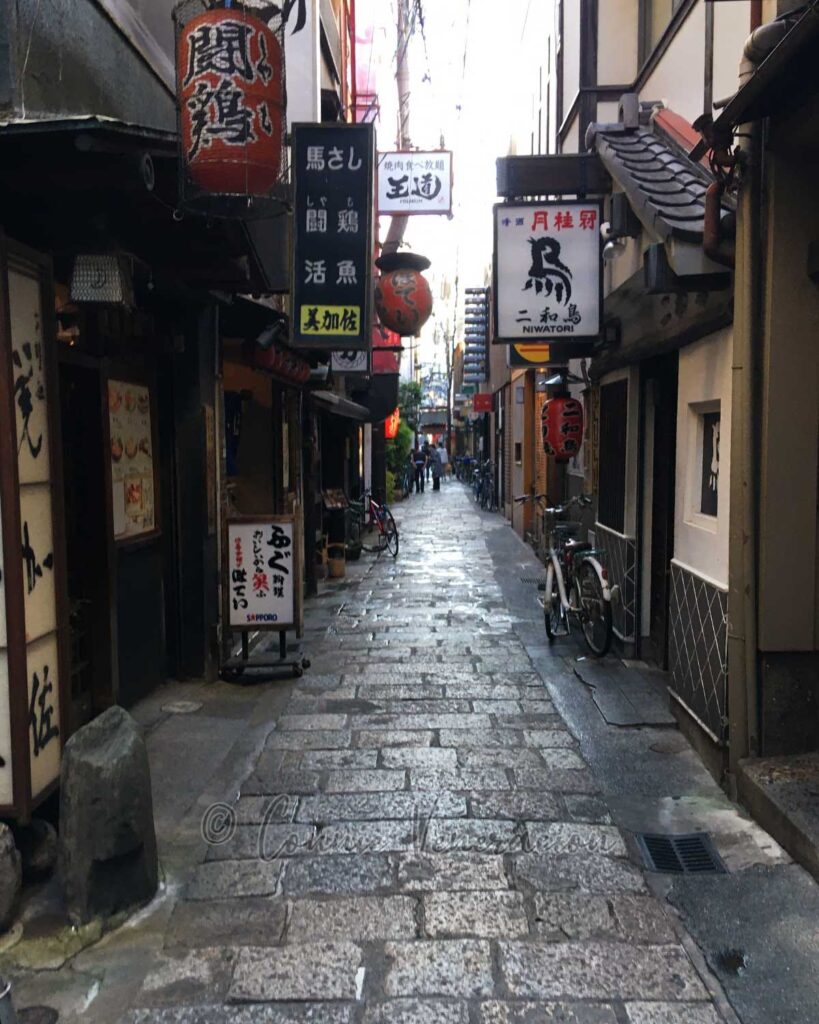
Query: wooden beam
x=566, y=174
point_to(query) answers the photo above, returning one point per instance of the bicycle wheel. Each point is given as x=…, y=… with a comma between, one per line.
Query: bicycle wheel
x=554, y=618
x=390, y=533
x=595, y=610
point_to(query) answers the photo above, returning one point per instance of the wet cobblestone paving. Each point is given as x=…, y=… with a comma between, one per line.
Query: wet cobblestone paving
x=420, y=840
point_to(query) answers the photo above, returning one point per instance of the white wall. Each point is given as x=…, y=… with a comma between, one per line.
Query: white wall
x=701, y=542
x=732, y=26
x=617, y=42
x=678, y=79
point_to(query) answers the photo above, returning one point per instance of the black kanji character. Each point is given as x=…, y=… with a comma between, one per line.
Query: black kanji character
x=40, y=712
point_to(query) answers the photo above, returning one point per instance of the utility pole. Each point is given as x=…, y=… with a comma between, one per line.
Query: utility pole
x=398, y=224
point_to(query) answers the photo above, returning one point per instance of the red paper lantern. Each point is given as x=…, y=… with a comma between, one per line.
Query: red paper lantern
x=391, y=424
x=403, y=300
x=562, y=426
x=231, y=102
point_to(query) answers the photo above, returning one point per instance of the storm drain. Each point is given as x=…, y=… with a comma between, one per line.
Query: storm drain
x=534, y=581
x=691, y=854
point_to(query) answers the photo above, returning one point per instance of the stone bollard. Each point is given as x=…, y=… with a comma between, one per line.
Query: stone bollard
x=11, y=878
x=107, y=842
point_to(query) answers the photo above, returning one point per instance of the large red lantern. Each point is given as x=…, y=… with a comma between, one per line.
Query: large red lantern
x=391, y=425
x=403, y=300
x=562, y=426
x=230, y=91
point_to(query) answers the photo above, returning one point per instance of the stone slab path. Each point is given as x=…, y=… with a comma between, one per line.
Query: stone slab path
x=420, y=840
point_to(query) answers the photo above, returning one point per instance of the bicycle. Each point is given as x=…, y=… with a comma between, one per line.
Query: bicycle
x=577, y=584
x=487, y=487
x=368, y=515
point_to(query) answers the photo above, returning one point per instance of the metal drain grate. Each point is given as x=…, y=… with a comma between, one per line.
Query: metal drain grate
x=534, y=581
x=691, y=854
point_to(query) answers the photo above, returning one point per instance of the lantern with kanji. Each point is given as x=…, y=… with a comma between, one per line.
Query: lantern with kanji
x=403, y=300
x=562, y=427
x=391, y=424
x=231, y=109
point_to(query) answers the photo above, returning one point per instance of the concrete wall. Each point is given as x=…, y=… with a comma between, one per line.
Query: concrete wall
x=69, y=59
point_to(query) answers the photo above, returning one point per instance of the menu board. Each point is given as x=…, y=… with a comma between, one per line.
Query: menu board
x=132, y=462
x=261, y=571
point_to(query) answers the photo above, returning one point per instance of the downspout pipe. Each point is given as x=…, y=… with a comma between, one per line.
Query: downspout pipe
x=743, y=661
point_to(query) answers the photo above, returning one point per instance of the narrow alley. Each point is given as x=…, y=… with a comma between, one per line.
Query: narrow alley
x=418, y=837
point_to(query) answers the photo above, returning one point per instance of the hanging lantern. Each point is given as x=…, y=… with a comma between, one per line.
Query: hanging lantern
x=391, y=424
x=231, y=107
x=403, y=300
x=562, y=427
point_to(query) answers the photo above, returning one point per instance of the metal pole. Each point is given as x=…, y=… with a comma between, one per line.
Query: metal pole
x=7, y=1011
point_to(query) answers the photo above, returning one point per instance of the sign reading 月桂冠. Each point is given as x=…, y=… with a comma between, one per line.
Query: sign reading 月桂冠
x=548, y=272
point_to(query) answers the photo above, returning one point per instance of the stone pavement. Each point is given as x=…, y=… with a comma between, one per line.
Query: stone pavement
x=420, y=840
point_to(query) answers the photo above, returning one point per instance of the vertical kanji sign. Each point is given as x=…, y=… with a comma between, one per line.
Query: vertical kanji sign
x=332, y=237
x=548, y=272
x=264, y=574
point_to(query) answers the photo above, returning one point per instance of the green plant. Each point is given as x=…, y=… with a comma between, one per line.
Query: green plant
x=398, y=449
x=410, y=394
x=390, y=485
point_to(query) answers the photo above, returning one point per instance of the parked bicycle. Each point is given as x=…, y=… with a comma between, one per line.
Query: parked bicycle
x=485, y=486
x=367, y=515
x=577, y=583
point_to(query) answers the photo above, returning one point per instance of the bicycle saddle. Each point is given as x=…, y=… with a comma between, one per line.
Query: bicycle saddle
x=576, y=546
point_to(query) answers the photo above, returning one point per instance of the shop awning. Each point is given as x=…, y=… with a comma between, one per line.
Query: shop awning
x=335, y=405
x=97, y=184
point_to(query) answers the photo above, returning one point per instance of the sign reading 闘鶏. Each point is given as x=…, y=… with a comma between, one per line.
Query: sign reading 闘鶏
x=415, y=182
x=332, y=245
x=548, y=272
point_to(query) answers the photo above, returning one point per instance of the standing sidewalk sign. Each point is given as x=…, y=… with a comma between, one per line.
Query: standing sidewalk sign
x=263, y=585
x=415, y=182
x=548, y=276
x=264, y=573
x=332, y=236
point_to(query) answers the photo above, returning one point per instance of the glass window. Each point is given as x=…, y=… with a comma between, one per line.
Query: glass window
x=655, y=16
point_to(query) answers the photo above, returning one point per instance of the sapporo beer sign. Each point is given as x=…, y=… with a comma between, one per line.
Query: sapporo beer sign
x=231, y=102
x=332, y=245
x=548, y=272
x=262, y=566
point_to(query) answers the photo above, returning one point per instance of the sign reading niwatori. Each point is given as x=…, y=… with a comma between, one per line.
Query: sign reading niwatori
x=547, y=271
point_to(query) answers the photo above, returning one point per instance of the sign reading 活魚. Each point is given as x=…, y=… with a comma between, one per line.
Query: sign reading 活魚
x=332, y=235
x=547, y=272
x=415, y=182
x=264, y=573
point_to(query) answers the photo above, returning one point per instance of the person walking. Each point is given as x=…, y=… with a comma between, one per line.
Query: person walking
x=437, y=468
x=427, y=449
x=443, y=456
x=419, y=460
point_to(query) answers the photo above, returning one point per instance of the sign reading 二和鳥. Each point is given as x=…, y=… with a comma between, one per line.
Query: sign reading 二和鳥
x=548, y=272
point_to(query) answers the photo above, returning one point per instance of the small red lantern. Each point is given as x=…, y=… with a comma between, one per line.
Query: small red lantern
x=391, y=424
x=562, y=427
x=230, y=91
x=403, y=300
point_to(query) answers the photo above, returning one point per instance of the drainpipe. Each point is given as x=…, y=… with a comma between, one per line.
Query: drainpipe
x=743, y=686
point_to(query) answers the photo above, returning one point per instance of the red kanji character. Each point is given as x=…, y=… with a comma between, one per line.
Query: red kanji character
x=564, y=220
x=588, y=219
x=260, y=583
x=542, y=218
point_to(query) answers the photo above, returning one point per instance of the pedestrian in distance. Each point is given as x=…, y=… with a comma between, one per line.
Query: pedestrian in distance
x=443, y=457
x=437, y=468
x=427, y=449
x=419, y=460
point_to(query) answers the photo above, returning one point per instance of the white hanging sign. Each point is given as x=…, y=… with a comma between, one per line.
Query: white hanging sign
x=351, y=361
x=548, y=272
x=415, y=182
